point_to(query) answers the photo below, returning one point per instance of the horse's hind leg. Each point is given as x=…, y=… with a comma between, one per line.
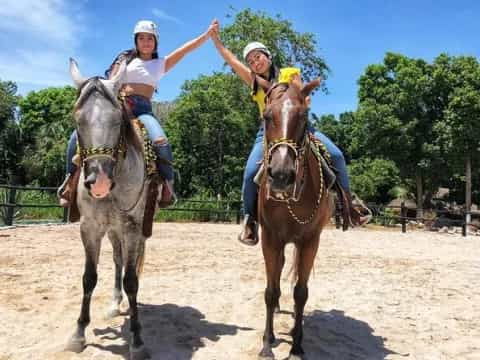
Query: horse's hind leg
x=118, y=261
x=91, y=241
x=272, y=254
x=304, y=262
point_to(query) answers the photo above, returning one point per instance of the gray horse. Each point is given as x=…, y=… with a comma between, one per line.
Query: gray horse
x=112, y=196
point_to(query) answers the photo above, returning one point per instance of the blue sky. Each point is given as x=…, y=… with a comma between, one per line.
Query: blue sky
x=38, y=37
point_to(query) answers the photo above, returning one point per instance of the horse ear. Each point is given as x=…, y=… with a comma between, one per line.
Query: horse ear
x=309, y=87
x=118, y=79
x=77, y=78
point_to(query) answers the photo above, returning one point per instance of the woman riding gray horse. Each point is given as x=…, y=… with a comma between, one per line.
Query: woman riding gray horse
x=144, y=69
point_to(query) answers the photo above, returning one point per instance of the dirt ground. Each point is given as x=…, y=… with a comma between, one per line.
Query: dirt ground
x=374, y=295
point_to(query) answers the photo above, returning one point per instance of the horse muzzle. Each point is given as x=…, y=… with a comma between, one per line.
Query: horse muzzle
x=99, y=178
x=281, y=180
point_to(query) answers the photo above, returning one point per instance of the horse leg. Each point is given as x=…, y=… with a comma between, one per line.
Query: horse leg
x=118, y=261
x=277, y=279
x=304, y=262
x=272, y=254
x=91, y=238
x=132, y=244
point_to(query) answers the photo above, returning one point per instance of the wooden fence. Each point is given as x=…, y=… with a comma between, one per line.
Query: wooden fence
x=219, y=210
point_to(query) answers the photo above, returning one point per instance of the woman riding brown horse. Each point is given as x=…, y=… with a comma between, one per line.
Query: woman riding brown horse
x=293, y=201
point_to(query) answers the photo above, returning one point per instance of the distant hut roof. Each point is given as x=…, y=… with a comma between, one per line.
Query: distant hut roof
x=409, y=203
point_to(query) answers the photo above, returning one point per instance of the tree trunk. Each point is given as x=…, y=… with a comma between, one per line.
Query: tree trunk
x=468, y=187
x=418, y=179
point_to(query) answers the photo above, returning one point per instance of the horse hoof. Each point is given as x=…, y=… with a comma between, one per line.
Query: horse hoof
x=76, y=344
x=266, y=354
x=140, y=353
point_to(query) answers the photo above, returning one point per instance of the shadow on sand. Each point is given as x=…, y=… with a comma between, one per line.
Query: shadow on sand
x=170, y=332
x=333, y=336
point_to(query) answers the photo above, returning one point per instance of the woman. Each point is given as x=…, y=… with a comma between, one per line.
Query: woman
x=144, y=69
x=259, y=62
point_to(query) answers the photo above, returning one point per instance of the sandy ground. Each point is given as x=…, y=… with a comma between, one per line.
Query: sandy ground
x=374, y=295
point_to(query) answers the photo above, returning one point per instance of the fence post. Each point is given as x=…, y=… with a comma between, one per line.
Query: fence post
x=466, y=220
x=12, y=194
x=65, y=214
x=403, y=215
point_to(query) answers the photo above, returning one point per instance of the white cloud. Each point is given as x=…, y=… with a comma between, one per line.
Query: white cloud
x=164, y=16
x=38, y=37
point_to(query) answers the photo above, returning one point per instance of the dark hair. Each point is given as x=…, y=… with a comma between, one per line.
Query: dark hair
x=129, y=55
x=272, y=76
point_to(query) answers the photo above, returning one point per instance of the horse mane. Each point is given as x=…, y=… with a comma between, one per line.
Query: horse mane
x=91, y=85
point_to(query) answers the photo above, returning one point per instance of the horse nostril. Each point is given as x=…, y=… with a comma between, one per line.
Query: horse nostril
x=291, y=177
x=269, y=172
x=90, y=179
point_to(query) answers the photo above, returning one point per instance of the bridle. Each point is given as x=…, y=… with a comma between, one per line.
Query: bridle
x=299, y=151
x=111, y=153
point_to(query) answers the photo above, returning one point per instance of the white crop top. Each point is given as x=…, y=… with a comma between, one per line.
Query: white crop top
x=145, y=72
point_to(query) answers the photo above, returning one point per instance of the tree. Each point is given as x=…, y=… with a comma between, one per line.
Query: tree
x=10, y=140
x=396, y=115
x=374, y=179
x=211, y=131
x=459, y=133
x=289, y=48
x=46, y=122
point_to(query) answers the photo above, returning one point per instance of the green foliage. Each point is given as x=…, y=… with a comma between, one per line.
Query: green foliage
x=46, y=124
x=211, y=131
x=288, y=47
x=10, y=140
x=373, y=179
x=339, y=131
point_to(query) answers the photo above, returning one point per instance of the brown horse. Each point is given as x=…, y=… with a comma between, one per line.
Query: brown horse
x=293, y=204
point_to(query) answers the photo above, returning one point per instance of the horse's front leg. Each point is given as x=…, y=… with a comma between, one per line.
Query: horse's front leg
x=118, y=261
x=91, y=238
x=306, y=257
x=133, y=247
x=273, y=255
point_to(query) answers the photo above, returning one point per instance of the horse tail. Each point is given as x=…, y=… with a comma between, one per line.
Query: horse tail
x=140, y=260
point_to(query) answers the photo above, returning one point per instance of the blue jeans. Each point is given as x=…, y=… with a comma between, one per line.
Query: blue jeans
x=250, y=189
x=142, y=108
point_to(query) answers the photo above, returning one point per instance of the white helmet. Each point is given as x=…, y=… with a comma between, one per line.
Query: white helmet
x=255, y=46
x=146, y=26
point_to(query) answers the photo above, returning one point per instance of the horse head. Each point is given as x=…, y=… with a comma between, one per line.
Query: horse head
x=100, y=128
x=286, y=123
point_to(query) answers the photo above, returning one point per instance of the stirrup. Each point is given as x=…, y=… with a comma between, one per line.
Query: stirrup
x=63, y=190
x=167, y=188
x=251, y=225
